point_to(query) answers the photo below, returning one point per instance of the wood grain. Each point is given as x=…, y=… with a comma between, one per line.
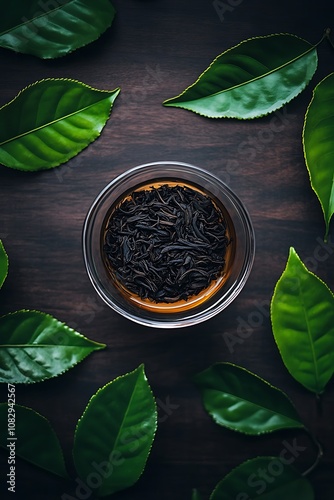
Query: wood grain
x=154, y=50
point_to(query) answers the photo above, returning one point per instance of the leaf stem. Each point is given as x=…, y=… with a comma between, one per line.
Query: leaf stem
x=319, y=404
x=320, y=454
x=195, y=495
x=327, y=35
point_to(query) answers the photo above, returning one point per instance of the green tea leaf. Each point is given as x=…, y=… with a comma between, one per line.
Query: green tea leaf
x=318, y=145
x=33, y=440
x=115, y=433
x=53, y=28
x=251, y=79
x=3, y=264
x=196, y=495
x=242, y=401
x=302, y=316
x=35, y=346
x=50, y=122
x=267, y=478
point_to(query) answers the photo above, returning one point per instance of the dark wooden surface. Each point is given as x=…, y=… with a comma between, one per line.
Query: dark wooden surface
x=153, y=51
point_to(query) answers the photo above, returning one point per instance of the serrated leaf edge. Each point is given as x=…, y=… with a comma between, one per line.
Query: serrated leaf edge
x=327, y=222
x=55, y=435
x=251, y=460
x=96, y=135
x=293, y=251
x=313, y=47
x=7, y=260
x=98, y=347
x=45, y=14
x=226, y=363
x=61, y=323
x=114, y=92
x=141, y=368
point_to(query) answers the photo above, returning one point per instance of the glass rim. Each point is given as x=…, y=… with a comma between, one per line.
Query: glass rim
x=196, y=314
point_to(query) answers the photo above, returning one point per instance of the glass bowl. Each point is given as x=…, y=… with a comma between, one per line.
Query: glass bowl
x=240, y=253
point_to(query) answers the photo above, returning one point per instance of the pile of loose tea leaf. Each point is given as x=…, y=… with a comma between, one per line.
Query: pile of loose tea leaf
x=166, y=243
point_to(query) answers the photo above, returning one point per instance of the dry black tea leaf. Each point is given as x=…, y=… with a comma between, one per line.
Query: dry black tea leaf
x=166, y=243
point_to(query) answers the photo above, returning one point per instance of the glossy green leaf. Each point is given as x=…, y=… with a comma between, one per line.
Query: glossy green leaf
x=251, y=79
x=318, y=145
x=50, y=122
x=242, y=401
x=302, y=315
x=35, y=346
x=266, y=478
x=115, y=433
x=3, y=264
x=32, y=439
x=53, y=28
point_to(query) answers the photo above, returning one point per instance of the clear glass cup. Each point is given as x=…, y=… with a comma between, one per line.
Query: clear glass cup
x=197, y=310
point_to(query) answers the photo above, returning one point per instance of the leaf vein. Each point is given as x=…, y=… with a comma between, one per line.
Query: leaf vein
x=48, y=124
